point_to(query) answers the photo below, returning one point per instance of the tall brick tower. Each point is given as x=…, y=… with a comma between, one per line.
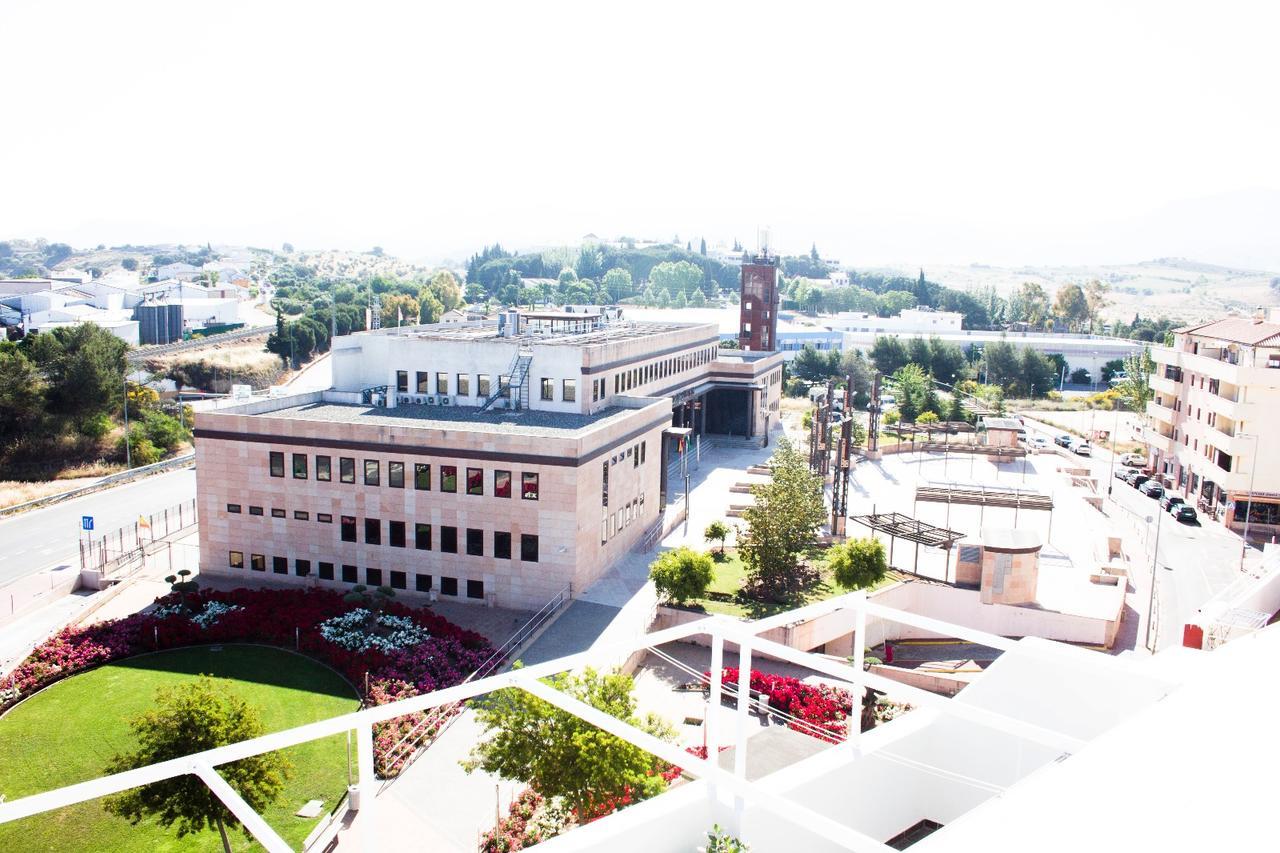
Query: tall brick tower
x=760, y=298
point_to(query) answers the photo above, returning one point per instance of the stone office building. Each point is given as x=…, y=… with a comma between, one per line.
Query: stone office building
x=495, y=462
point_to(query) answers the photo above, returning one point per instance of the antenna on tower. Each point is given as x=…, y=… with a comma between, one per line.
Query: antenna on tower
x=762, y=242
x=375, y=312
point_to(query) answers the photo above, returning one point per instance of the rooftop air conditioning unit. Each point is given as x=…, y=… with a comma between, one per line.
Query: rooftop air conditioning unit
x=444, y=401
x=431, y=401
x=403, y=399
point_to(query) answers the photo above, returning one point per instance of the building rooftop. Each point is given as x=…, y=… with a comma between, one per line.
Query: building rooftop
x=487, y=330
x=1240, y=330
x=470, y=418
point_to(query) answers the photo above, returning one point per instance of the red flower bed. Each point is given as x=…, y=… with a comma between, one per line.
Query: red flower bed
x=287, y=618
x=820, y=706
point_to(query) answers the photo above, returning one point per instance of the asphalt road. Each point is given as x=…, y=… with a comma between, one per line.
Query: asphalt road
x=1194, y=562
x=50, y=537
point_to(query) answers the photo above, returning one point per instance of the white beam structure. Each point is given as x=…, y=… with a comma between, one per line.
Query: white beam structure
x=230, y=798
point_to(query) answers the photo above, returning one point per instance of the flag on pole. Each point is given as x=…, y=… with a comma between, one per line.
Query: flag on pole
x=399, y=316
x=142, y=522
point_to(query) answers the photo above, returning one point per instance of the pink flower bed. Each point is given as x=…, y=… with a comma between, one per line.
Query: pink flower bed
x=821, y=706
x=270, y=617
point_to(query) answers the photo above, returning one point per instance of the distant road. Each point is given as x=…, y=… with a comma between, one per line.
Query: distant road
x=49, y=537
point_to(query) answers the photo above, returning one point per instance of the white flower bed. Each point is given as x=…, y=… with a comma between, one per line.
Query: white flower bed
x=212, y=612
x=350, y=631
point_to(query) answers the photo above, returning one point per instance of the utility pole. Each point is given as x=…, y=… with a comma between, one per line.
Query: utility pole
x=1248, y=506
x=128, y=455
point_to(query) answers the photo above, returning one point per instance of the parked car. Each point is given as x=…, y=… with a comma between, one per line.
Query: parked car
x=1186, y=513
x=1152, y=489
x=1123, y=473
x=1138, y=480
x=1133, y=460
x=1039, y=442
x=1081, y=448
x=1169, y=502
x=1063, y=440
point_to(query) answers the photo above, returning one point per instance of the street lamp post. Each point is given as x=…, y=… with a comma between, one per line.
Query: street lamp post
x=1155, y=555
x=1111, y=471
x=1248, y=505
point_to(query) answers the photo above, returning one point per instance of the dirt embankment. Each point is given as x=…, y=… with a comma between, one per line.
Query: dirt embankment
x=219, y=366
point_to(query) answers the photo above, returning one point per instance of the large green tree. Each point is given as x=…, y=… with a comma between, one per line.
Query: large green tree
x=617, y=284
x=1002, y=364
x=1071, y=306
x=445, y=288
x=561, y=755
x=186, y=719
x=913, y=387
x=888, y=354
x=781, y=523
x=1135, y=388
x=84, y=367
x=1037, y=374
x=21, y=393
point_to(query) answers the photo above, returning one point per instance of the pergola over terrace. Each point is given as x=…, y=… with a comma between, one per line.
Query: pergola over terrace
x=984, y=496
x=900, y=526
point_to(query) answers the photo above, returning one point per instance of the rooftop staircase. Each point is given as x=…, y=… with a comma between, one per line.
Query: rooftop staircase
x=517, y=377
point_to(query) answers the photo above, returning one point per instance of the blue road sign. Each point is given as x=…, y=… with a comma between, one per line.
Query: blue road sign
x=86, y=522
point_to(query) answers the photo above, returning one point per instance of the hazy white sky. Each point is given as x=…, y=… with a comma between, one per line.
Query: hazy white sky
x=999, y=132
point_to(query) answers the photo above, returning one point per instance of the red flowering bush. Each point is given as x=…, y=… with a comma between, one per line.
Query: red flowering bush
x=820, y=706
x=275, y=617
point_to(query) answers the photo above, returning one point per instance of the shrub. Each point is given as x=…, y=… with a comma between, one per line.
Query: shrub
x=164, y=430
x=95, y=426
x=717, y=531
x=682, y=574
x=141, y=450
x=927, y=418
x=892, y=417
x=858, y=563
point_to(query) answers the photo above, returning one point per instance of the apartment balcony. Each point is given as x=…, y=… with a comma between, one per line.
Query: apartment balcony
x=1228, y=408
x=1235, y=374
x=1166, y=355
x=1239, y=446
x=1167, y=387
x=1162, y=443
x=1160, y=413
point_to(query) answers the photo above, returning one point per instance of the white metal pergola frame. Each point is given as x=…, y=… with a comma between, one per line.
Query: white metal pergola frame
x=854, y=606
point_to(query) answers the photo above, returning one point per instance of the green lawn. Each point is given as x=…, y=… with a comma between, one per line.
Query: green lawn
x=68, y=732
x=723, y=594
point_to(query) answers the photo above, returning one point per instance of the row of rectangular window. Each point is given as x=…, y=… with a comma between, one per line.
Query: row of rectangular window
x=613, y=523
x=396, y=472
x=637, y=376
x=351, y=574
x=298, y=514
x=423, y=384
x=396, y=534
x=568, y=390
x=448, y=543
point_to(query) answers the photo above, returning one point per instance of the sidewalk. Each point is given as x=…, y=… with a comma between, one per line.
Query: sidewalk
x=135, y=593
